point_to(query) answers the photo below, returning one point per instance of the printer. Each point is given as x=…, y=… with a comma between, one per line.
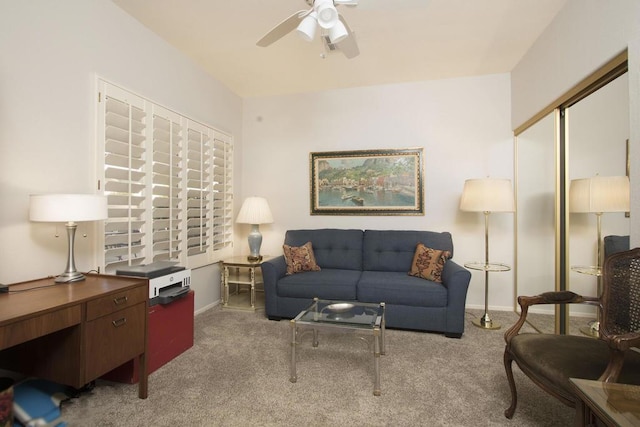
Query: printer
x=167, y=280
x=170, y=323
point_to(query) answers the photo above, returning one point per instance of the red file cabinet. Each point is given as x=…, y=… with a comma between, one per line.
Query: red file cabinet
x=170, y=334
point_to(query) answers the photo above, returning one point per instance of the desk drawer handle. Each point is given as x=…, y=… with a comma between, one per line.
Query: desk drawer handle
x=119, y=322
x=120, y=300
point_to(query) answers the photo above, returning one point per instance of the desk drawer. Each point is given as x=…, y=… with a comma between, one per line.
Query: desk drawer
x=38, y=326
x=117, y=301
x=115, y=339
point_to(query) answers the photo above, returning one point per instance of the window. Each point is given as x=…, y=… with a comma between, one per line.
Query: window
x=168, y=182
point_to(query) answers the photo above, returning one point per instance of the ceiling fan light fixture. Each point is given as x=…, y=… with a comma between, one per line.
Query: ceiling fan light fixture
x=327, y=13
x=307, y=27
x=338, y=32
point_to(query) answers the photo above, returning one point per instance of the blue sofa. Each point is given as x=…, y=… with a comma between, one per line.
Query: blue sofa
x=371, y=266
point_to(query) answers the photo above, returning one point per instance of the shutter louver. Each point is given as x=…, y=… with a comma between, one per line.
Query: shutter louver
x=124, y=186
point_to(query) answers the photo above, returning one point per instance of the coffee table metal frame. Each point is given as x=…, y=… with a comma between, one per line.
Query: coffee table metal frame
x=362, y=317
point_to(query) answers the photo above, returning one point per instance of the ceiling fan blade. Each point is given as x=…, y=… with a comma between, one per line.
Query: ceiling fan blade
x=349, y=46
x=283, y=28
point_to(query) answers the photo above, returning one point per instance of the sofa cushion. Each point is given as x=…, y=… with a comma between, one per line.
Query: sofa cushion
x=326, y=284
x=300, y=258
x=428, y=263
x=393, y=250
x=333, y=248
x=400, y=289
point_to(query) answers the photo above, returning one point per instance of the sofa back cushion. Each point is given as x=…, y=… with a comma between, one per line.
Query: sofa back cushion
x=393, y=250
x=333, y=248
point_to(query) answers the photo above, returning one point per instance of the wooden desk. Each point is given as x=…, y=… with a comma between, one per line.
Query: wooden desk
x=72, y=333
x=609, y=404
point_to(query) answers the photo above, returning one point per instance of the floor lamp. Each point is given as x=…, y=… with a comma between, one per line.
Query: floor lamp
x=255, y=211
x=597, y=195
x=487, y=195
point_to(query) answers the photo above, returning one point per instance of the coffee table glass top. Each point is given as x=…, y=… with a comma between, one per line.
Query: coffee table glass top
x=342, y=313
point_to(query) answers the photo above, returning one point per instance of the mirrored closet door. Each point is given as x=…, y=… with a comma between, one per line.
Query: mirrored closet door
x=582, y=134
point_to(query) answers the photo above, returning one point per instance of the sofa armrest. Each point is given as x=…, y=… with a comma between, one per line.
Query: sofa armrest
x=272, y=271
x=455, y=277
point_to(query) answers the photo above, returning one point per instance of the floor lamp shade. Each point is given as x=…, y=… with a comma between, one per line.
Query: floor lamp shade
x=70, y=209
x=255, y=211
x=599, y=194
x=487, y=195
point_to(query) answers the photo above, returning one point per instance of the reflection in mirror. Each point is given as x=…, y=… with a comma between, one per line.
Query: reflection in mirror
x=536, y=234
x=598, y=129
x=582, y=133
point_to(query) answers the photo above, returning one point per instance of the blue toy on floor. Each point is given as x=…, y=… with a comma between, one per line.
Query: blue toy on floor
x=36, y=403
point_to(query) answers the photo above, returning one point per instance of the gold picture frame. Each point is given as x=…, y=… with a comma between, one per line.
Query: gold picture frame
x=367, y=182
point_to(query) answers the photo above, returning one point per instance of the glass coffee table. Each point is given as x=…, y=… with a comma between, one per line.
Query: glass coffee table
x=341, y=315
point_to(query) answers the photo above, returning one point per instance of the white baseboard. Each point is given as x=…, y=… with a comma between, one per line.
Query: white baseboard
x=207, y=307
x=495, y=308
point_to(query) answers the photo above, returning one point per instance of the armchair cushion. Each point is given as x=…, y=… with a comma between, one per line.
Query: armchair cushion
x=561, y=360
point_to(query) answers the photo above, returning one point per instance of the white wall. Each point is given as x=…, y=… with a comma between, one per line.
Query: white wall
x=584, y=36
x=51, y=54
x=463, y=125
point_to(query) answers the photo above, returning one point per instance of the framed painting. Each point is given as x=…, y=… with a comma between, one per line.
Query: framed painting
x=367, y=182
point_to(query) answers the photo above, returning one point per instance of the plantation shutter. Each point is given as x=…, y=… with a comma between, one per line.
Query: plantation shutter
x=167, y=186
x=125, y=145
x=199, y=189
x=222, y=192
x=168, y=182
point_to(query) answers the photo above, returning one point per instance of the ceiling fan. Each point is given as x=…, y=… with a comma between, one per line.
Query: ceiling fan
x=335, y=33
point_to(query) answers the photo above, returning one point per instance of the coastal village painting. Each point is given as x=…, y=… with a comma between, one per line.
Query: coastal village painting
x=367, y=182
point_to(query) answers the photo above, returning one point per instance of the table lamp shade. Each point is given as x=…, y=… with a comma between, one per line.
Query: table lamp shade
x=487, y=195
x=255, y=210
x=599, y=194
x=67, y=207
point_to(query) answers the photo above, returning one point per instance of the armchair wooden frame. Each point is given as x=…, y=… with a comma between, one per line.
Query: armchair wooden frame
x=549, y=360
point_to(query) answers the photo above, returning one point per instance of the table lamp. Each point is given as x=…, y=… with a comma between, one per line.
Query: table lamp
x=597, y=195
x=71, y=209
x=487, y=195
x=255, y=211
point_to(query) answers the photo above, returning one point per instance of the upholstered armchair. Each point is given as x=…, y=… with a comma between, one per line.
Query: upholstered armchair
x=549, y=360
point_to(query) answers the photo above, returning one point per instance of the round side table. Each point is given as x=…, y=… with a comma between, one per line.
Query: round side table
x=592, y=329
x=485, y=321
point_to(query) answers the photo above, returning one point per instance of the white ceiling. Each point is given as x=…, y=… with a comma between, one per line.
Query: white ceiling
x=399, y=40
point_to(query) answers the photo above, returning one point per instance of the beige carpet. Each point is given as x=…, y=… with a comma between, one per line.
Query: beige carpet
x=237, y=374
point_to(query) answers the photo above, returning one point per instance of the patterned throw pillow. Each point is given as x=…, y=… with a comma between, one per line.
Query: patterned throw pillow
x=428, y=263
x=300, y=259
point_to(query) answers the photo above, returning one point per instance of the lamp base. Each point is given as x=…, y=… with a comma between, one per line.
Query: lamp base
x=71, y=273
x=592, y=330
x=486, y=323
x=253, y=258
x=68, y=277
